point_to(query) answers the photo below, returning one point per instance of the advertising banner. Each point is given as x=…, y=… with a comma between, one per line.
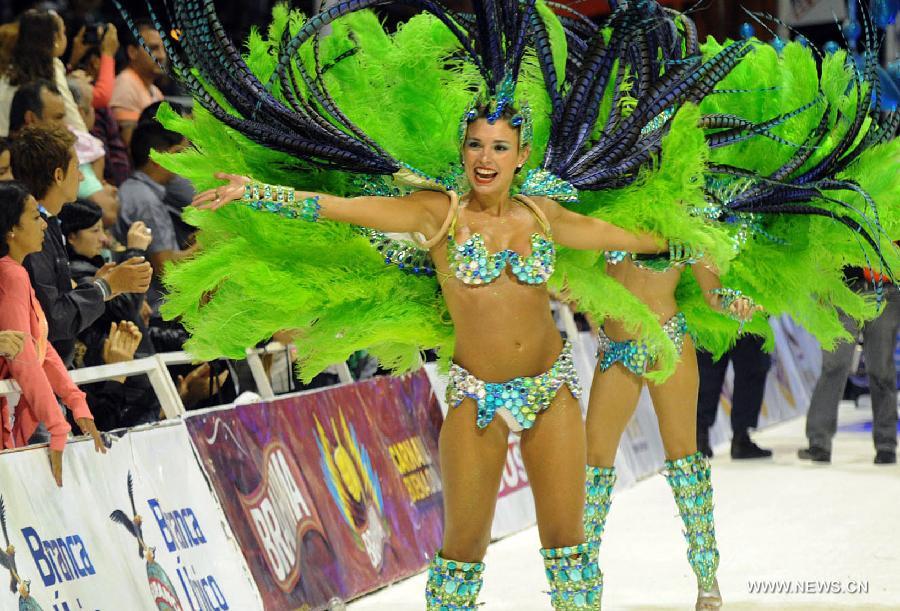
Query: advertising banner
x=330, y=494
x=137, y=528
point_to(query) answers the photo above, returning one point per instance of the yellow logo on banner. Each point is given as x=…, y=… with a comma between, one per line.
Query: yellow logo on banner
x=354, y=486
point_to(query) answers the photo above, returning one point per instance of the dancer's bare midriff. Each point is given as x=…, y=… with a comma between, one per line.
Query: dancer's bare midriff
x=656, y=289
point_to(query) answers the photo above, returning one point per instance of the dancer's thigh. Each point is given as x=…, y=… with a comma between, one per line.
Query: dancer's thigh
x=614, y=397
x=554, y=456
x=675, y=402
x=472, y=461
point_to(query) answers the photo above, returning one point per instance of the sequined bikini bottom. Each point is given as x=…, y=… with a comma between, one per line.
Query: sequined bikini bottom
x=634, y=355
x=518, y=401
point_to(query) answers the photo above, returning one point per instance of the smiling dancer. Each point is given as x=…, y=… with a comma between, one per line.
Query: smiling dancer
x=330, y=117
x=770, y=195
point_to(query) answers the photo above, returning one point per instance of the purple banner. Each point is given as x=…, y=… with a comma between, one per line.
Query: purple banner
x=330, y=494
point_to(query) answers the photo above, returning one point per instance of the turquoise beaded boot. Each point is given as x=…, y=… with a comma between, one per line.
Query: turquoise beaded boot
x=574, y=577
x=452, y=585
x=689, y=478
x=598, y=487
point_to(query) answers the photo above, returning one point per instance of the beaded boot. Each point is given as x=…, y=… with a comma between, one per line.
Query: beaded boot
x=689, y=478
x=598, y=487
x=574, y=577
x=452, y=585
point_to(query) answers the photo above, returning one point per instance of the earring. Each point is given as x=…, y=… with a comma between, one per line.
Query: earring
x=518, y=169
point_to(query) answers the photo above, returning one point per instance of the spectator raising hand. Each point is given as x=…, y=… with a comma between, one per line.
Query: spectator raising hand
x=122, y=341
x=121, y=344
x=139, y=236
x=108, y=46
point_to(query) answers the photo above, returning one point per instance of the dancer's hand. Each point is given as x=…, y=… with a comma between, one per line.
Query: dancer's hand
x=743, y=309
x=213, y=199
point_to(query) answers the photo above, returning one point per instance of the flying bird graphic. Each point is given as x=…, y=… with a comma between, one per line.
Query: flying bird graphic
x=133, y=524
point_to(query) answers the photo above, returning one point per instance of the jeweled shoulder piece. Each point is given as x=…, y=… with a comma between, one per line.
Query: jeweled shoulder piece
x=545, y=184
x=404, y=254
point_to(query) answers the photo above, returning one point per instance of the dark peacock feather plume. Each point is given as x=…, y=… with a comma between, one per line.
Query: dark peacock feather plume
x=294, y=112
x=209, y=65
x=652, y=50
x=807, y=185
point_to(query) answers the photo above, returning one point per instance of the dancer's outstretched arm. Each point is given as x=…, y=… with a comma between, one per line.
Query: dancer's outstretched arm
x=422, y=211
x=582, y=232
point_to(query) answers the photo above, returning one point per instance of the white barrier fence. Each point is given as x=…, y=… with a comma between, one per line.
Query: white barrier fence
x=82, y=547
x=152, y=366
x=795, y=368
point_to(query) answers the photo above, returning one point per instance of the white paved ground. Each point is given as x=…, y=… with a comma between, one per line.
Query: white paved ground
x=780, y=520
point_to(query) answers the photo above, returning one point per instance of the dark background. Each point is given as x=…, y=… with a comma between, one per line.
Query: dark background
x=719, y=18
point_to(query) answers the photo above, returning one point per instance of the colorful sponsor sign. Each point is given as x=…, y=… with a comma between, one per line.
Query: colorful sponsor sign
x=137, y=528
x=330, y=494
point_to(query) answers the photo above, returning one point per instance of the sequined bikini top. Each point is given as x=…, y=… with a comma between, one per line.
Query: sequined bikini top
x=472, y=264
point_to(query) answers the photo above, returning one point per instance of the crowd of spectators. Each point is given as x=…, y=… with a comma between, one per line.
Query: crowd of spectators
x=88, y=221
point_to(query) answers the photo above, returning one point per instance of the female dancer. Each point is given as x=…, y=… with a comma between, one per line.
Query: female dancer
x=493, y=254
x=796, y=183
x=622, y=361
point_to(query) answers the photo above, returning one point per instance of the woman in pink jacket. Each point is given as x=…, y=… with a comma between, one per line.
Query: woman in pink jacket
x=37, y=368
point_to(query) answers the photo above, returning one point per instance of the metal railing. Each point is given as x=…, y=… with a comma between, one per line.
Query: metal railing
x=156, y=369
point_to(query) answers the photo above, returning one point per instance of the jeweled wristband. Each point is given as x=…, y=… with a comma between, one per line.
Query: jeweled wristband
x=282, y=201
x=728, y=297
